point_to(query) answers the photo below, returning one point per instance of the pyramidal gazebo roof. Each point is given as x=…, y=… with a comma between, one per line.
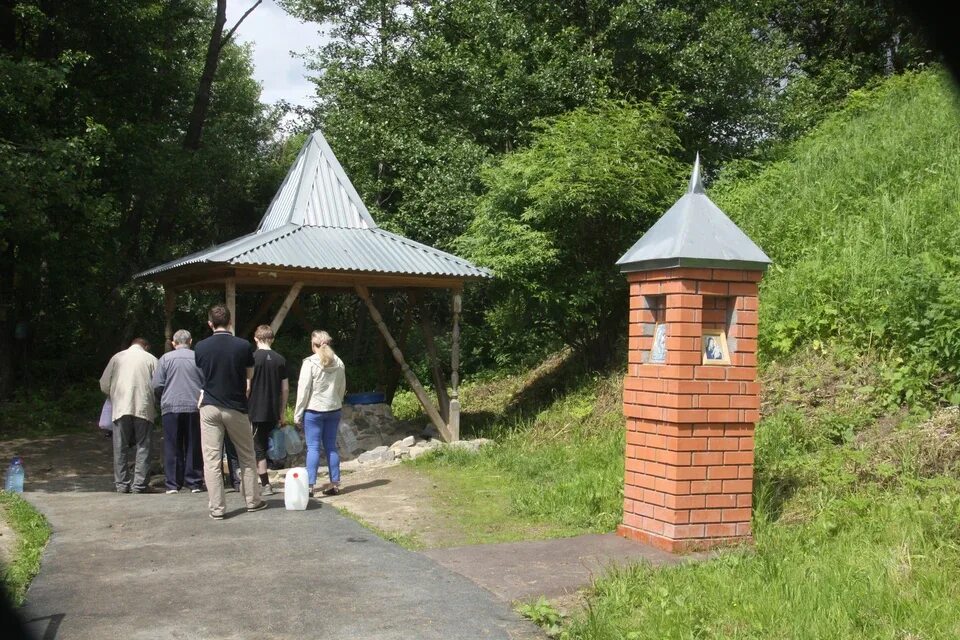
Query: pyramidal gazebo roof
x=694, y=232
x=317, y=222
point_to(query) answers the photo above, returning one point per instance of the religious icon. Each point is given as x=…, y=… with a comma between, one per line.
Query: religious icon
x=658, y=354
x=714, y=345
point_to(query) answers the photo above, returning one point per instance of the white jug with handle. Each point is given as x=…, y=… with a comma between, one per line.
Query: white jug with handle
x=296, y=495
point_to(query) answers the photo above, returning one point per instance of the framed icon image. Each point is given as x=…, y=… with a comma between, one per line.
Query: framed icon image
x=713, y=344
x=658, y=354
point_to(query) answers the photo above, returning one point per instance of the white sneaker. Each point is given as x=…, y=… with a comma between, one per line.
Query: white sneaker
x=266, y=490
x=169, y=491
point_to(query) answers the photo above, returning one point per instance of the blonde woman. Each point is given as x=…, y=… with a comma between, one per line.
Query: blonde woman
x=319, y=400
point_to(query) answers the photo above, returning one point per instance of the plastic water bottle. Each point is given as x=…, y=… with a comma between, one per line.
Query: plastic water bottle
x=296, y=494
x=15, y=476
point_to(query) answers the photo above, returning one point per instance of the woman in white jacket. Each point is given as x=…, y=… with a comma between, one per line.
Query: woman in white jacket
x=319, y=400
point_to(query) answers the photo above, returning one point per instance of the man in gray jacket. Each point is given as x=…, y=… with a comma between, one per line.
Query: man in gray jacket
x=177, y=382
x=127, y=381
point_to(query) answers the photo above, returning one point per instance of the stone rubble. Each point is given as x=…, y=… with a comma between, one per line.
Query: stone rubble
x=370, y=437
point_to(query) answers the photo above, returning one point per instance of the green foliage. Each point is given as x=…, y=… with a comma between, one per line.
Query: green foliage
x=556, y=472
x=861, y=220
x=856, y=526
x=32, y=532
x=870, y=565
x=544, y=615
x=96, y=184
x=40, y=412
x=555, y=215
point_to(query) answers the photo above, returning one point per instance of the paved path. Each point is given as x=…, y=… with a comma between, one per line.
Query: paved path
x=550, y=568
x=156, y=566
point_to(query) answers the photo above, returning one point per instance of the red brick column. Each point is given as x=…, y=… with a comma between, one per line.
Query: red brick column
x=689, y=456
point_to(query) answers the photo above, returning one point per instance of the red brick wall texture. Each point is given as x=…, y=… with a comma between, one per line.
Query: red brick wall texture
x=689, y=455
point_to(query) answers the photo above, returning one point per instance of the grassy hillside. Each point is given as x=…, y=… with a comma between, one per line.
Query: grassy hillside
x=862, y=221
x=857, y=486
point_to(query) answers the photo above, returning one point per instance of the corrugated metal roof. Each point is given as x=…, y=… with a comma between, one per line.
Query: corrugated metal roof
x=694, y=232
x=317, y=221
x=317, y=192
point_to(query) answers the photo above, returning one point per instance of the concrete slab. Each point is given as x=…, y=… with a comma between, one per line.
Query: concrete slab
x=156, y=566
x=551, y=568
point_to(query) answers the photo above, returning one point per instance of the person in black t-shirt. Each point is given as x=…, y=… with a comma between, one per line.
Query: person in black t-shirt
x=227, y=364
x=267, y=392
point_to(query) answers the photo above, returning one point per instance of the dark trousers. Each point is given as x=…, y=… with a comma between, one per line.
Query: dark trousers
x=182, y=458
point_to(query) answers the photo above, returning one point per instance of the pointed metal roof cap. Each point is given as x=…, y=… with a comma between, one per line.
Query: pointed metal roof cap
x=694, y=232
x=317, y=193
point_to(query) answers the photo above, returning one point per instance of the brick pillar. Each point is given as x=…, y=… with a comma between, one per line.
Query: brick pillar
x=689, y=456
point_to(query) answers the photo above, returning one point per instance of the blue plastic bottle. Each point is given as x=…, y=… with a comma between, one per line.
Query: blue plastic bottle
x=15, y=476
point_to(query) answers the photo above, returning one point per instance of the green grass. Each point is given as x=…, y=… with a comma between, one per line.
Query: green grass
x=32, y=532
x=555, y=472
x=862, y=219
x=871, y=565
x=856, y=527
x=39, y=412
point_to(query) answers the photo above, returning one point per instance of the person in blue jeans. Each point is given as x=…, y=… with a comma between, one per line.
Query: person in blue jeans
x=320, y=393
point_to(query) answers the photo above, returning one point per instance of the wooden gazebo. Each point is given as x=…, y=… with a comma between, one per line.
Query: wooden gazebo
x=317, y=236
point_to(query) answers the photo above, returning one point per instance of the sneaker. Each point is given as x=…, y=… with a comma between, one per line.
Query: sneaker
x=266, y=490
x=172, y=491
x=332, y=490
x=196, y=490
x=258, y=507
x=123, y=489
x=216, y=516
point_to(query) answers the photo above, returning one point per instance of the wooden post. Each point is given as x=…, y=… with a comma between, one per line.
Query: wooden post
x=261, y=311
x=455, y=365
x=169, y=305
x=411, y=377
x=285, y=307
x=432, y=355
x=231, y=294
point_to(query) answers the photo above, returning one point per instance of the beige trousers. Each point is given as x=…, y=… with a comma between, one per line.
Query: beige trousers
x=214, y=421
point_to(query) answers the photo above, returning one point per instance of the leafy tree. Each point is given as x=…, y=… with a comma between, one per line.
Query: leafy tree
x=94, y=102
x=555, y=217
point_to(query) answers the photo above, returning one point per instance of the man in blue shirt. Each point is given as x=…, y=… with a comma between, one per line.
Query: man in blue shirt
x=227, y=363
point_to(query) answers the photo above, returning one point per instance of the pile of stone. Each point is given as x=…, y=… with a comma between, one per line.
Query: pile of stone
x=365, y=436
x=406, y=449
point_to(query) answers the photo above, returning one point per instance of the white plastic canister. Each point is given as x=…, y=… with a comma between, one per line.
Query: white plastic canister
x=295, y=492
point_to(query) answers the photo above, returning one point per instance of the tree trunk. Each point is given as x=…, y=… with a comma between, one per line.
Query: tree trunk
x=201, y=102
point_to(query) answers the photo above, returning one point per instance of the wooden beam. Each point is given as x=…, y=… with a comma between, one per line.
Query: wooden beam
x=411, y=377
x=454, y=421
x=169, y=306
x=231, y=295
x=285, y=307
x=258, y=315
x=439, y=382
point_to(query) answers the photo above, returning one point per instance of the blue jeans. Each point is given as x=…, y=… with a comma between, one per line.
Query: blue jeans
x=321, y=427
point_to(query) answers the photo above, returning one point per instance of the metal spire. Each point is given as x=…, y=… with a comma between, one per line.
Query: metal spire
x=696, y=184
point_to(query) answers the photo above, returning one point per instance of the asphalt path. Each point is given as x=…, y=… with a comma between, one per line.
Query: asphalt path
x=140, y=567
